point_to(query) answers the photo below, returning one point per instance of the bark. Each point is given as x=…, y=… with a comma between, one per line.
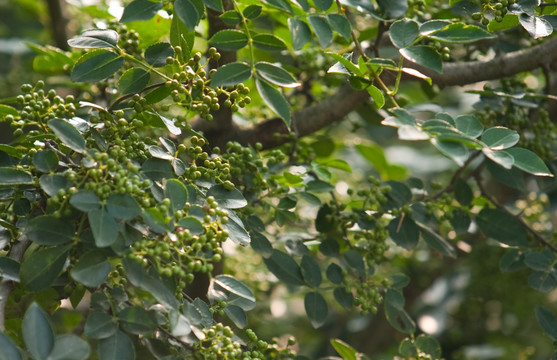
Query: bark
x=58, y=23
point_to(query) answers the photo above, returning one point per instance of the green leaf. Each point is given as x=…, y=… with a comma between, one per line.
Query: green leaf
x=323, y=4
x=281, y=4
x=403, y=32
x=322, y=30
x=156, y=54
x=155, y=219
x=424, y=56
x=334, y=274
x=511, y=261
x=181, y=36
x=176, y=191
x=432, y=26
x=236, y=230
x=311, y=271
x=274, y=99
x=319, y=186
x=136, y=320
x=316, y=308
x=253, y=11
x=341, y=25
x=529, y=162
x=344, y=350
x=469, y=125
x=70, y=347
x=7, y=110
x=284, y=268
x=227, y=199
x=436, y=242
x=8, y=350
x=52, y=183
x=39, y=270
x=231, y=17
x=237, y=315
x=85, y=200
x=140, y=10
x=37, y=332
x=214, y=5
x=461, y=33
x=122, y=206
x=11, y=176
x=229, y=40
x=499, y=138
x=268, y=42
x=536, y=26
x=231, y=74
x=456, y=151
x=103, y=226
x=96, y=66
x=547, y=321
x=48, y=230
x=95, y=38
x=376, y=95
x=9, y=269
x=234, y=286
x=429, y=345
x=355, y=261
x=345, y=65
x=539, y=260
x=276, y=75
x=502, y=226
x=188, y=13
x=117, y=347
x=139, y=277
x=509, y=21
x=463, y=192
x=542, y=281
x=68, y=134
x=100, y=325
x=157, y=169
x=393, y=8
x=92, y=269
x=300, y=33
x=133, y=80
x=45, y=161
x=192, y=224
x=399, y=319
x=501, y=158
x=404, y=232
x=344, y=298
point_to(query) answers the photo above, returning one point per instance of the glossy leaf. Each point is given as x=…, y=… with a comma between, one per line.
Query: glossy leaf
x=237, y=315
x=536, y=26
x=39, y=270
x=52, y=183
x=95, y=38
x=156, y=54
x=45, y=161
x=234, y=286
x=322, y=30
x=399, y=319
x=11, y=176
x=104, y=227
x=346, y=351
x=469, y=125
x=499, y=138
x=274, y=99
x=236, y=230
x=37, y=332
x=133, y=81
x=432, y=26
x=393, y=8
x=70, y=347
x=156, y=220
x=334, y=274
x=100, y=325
x=229, y=40
x=228, y=199
x=344, y=298
x=404, y=232
x=9, y=269
x=231, y=74
x=529, y=162
x=136, y=320
x=92, y=269
x=214, y=5
x=253, y=11
x=188, y=13
x=502, y=226
x=461, y=33
x=276, y=75
x=501, y=158
x=457, y=152
x=424, y=56
x=436, y=242
x=316, y=308
x=48, y=230
x=284, y=268
x=116, y=347
x=8, y=350
x=68, y=134
x=378, y=98
x=96, y=66
x=181, y=36
x=547, y=321
x=140, y=10
x=85, y=200
x=268, y=42
x=341, y=25
x=403, y=32
x=300, y=33
x=311, y=271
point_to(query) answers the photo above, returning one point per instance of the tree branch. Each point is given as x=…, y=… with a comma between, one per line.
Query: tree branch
x=58, y=23
x=337, y=106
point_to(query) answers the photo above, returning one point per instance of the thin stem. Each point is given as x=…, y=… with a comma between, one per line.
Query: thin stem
x=127, y=96
x=456, y=176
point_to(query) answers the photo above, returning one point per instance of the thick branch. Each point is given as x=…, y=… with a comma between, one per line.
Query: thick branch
x=346, y=99
x=58, y=23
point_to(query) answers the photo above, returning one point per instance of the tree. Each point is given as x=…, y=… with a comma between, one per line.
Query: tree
x=196, y=166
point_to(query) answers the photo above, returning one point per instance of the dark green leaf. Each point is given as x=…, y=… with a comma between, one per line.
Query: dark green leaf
x=469, y=125
x=138, y=276
x=274, y=99
x=460, y=221
x=236, y=230
x=52, y=183
x=403, y=32
x=96, y=66
x=512, y=261
x=140, y=10
x=300, y=33
x=547, y=321
x=395, y=299
x=284, y=268
x=316, y=308
x=229, y=40
x=311, y=271
x=95, y=38
x=539, y=260
x=542, y=281
x=231, y=17
x=513, y=178
x=355, y=261
x=463, y=193
x=227, y=199
x=281, y=4
x=536, y=26
x=459, y=153
x=133, y=80
x=234, y=286
x=529, y=162
x=85, y=200
x=156, y=220
x=429, y=345
x=176, y=191
x=276, y=75
x=39, y=270
x=156, y=54
x=322, y=30
x=100, y=325
x=11, y=176
x=48, y=230
x=188, y=13
x=231, y=74
x=322, y=222
x=393, y=8
x=424, y=56
x=37, y=332
x=499, y=138
x=68, y=134
x=261, y=244
x=193, y=225
x=400, y=320
x=460, y=33
x=181, y=36
x=344, y=298
x=436, y=242
x=237, y=315
x=104, y=227
x=9, y=269
x=252, y=11
x=214, y=5
x=344, y=350
x=122, y=206
x=70, y=347
x=323, y=4
x=334, y=273
x=8, y=350
x=45, y=160
x=92, y=269
x=502, y=226
x=319, y=186
x=157, y=169
x=433, y=25
x=117, y=347
x=136, y=320
x=341, y=25
x=268, y=42
x=404, y=232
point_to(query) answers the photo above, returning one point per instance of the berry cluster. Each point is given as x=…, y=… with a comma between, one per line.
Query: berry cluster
x=498, y=8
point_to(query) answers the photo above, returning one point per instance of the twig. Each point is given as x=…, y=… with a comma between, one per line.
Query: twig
x=456, y=176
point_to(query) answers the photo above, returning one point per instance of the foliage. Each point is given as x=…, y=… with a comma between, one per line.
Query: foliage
x=129, y=188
